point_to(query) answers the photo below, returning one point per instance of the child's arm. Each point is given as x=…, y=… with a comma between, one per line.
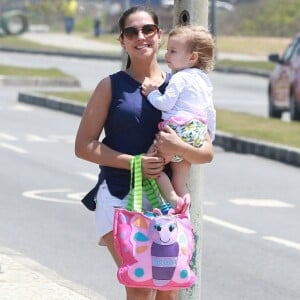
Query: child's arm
x=166, y=101
x=148, y=86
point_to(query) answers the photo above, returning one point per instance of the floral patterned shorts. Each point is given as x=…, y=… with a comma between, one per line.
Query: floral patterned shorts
x=192, y=132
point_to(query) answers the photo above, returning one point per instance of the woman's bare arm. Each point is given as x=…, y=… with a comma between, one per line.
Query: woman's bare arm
x=168, y=144
x=88, y=146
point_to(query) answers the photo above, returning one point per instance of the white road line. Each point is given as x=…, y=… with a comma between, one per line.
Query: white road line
x=43, y=195
x=90, y=176
x=228, y=225
x=35, y=138
x=13, y=148
x=7, y=137
x=20, y=107
x=283, y=242
x=261, y=203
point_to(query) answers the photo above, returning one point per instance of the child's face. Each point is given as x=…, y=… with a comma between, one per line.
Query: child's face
x=177, y=56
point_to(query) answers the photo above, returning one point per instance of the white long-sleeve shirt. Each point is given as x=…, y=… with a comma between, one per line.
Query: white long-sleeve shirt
x=188, y=95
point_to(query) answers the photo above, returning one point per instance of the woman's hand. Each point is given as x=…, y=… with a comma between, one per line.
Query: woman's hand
x=152, y=165
x=169, y=144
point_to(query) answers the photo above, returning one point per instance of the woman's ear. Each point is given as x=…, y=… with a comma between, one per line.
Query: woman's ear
x=121, y=40
x=160, y=33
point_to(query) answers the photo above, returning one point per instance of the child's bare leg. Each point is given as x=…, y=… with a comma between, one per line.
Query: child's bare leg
x=166, y=188
x=180, y=175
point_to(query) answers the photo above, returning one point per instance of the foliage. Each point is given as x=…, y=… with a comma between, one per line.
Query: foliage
x=264, y=18
x=274, y=16
x=44, y=11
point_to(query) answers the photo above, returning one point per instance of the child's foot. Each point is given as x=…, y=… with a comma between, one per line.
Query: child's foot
x=183, y=205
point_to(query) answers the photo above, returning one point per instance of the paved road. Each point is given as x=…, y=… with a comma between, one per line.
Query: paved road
x=251, y=240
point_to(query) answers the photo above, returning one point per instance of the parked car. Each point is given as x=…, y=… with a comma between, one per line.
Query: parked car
x=284, y=82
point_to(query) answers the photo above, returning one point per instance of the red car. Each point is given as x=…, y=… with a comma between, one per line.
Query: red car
x=284, y=82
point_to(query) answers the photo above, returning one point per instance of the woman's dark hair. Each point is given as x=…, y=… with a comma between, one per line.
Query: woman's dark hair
x=130, y=11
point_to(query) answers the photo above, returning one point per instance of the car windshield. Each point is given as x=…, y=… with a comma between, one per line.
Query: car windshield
x=288, y=54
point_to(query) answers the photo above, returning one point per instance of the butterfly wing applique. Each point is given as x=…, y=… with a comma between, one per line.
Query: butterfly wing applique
x=140, y=270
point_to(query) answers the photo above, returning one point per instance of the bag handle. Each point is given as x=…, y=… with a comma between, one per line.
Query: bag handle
x=135, y=198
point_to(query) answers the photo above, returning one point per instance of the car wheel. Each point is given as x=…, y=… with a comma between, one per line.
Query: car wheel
x=294, y=109
x=274, y=112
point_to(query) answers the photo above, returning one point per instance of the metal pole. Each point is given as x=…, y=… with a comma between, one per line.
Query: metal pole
x=213, y=18
x=194, y=12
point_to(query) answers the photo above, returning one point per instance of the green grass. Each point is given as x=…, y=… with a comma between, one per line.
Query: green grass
x=266, y=129
x=80, y=96
x=261, y=46
x=20, y=71
x=239, y=124
x=248, y=65
x=18, y=42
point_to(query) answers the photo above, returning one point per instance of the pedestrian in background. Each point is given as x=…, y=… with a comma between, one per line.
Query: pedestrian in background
x=97, y=27
x=69, y=8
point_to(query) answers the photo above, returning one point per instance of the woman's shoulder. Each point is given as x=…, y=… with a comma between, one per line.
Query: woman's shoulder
x=118, y=75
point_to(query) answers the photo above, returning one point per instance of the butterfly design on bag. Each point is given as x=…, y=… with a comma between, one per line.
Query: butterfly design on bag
x=160, y=249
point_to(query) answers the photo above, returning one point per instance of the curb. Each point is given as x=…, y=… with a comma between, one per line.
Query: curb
x=229, y=142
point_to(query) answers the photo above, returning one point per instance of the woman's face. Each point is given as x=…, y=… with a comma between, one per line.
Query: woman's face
x=145, y=42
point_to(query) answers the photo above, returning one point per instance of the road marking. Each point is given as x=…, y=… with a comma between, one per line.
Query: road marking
x=21, y=107
x=35, y=138
x=13, y=148
x=7, y=137
x=62, y=138
x=283, y=242
x=89, y=176
x=42, y=195
x=76, y=196
x=261, y=203
x=228, y=225
x=50, y=139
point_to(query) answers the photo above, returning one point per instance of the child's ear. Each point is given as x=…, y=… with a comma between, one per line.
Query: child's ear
x=194, y=57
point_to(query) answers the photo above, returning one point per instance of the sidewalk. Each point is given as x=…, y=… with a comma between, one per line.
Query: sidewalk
x=75, y=42
x=71, y=41
x=24, y=279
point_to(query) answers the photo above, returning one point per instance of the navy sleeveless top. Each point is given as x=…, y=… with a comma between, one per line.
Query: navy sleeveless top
x=130, y=128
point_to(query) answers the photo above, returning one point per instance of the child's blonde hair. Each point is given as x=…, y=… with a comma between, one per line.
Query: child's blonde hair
x=198, y=40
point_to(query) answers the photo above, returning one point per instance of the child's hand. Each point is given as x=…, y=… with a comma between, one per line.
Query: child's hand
x=148, y=86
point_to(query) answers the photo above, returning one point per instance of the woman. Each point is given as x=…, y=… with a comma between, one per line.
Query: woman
x=130, y=123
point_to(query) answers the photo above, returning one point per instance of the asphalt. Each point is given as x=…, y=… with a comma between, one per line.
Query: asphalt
x=24, y=279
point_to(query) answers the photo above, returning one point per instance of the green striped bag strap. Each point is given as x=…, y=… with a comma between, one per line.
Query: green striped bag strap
x=152, y=192
x=137, y=182
x=135, y=198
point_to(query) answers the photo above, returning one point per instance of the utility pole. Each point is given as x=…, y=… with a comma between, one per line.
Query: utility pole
x=194, y=12
x=213, y=22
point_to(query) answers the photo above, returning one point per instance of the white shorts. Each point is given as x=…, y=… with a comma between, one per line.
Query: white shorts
x=105, y=210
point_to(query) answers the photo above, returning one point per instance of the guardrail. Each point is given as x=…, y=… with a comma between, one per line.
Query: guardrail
x=14, y=22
